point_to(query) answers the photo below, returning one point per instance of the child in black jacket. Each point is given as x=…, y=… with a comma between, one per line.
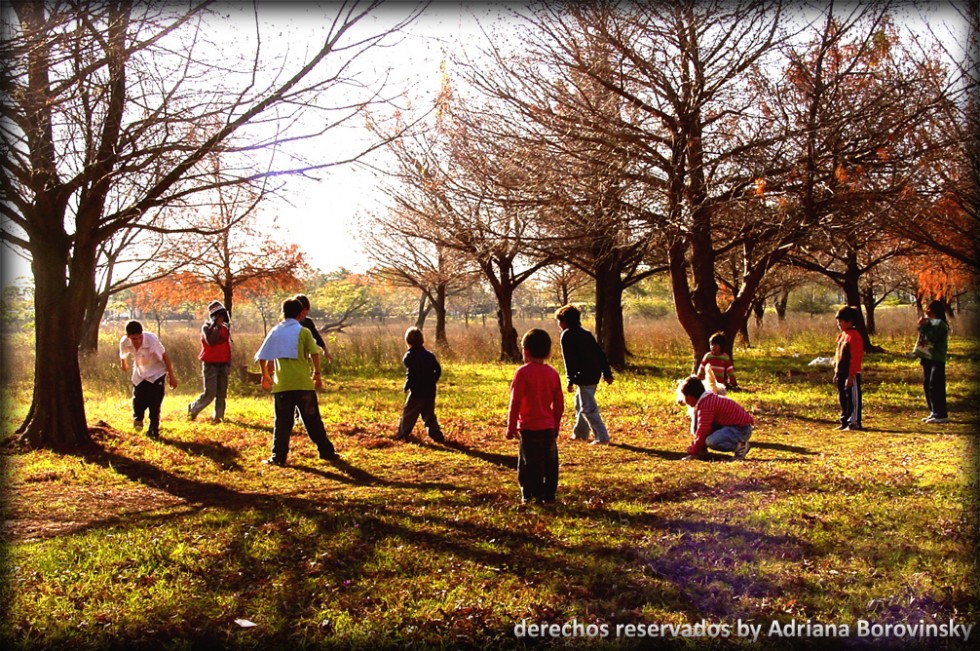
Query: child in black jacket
x=422, y=373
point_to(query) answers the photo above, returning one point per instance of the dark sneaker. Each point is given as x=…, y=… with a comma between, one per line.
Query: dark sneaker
x=438, y=437
x=138, y=424
x=272, y=461
x=216, y=420
x=153, y=432
x=329, y=455
x=741, y=450
x=401, y=437
x=190, y=412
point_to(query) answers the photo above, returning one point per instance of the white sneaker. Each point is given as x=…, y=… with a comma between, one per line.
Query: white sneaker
x=939, y=421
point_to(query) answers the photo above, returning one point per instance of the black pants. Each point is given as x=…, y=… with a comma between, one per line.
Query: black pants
x=537, y=464
x=934, y=385
x=851, y=400
x=415, y=407
x=286, y=404
x=149, y=396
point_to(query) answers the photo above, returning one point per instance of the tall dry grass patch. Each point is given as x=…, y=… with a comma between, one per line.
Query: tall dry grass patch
x=378, y=347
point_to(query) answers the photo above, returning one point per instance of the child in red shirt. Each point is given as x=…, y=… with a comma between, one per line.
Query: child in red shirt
x=848, y=356
x=536, y=407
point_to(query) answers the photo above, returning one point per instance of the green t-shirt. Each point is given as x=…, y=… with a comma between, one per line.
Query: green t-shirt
x=294, y=374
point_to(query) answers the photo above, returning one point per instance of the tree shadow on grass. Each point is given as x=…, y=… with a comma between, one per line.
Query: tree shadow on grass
x=782, y=447
x=222, y=455
x=661, y=454
x=360, y=477
x=508, y=461
x=242, y=425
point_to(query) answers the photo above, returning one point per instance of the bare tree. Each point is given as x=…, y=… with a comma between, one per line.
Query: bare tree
x=851, y=255
x=946, y=217
x=546, y=101
x=234, y=252
x=405, y=256
x=456, y=190
x=110, y=112
x=866, y=107
x=564, y=281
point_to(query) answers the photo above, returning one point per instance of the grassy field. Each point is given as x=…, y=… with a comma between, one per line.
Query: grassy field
x=189, y=542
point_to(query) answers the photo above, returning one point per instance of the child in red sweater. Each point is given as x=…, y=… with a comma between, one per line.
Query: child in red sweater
x=848, y=357
x=536, y=407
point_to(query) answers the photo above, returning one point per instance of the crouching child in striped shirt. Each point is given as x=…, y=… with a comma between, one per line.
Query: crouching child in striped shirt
x=720, y=423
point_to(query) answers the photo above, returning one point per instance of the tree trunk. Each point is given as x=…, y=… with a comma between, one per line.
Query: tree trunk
x=852, y=294
x=423, y=311
x=439, y=305
x=228, y=297
x=781, y=304
x=610, y=329
x=759, y=310
x=510, y=351
x=868, y=299
x=56, y=419
x=743, y=332
x=89, y=343
x=683, y=306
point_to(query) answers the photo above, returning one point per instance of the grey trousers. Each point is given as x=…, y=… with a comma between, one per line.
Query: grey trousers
x=215, y=388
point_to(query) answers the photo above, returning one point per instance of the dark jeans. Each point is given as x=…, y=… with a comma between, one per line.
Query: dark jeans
x=934, y=384
x=215, y=388
x=851, y=399
x=415, y=407
x=286, y=404
x=537, y=464
x=149, y=396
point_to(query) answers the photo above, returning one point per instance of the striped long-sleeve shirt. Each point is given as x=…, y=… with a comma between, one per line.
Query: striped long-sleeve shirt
x=712, y=412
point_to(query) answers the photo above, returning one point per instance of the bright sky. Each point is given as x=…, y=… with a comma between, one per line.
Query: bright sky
x=330, y=239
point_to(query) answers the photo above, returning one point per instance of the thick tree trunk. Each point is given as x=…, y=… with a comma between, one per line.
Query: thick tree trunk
x=610, y=329
x=56, y=420
x=683, y=306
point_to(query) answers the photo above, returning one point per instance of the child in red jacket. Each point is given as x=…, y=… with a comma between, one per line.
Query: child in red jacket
x=215, y=359
x=536, y=407
x=847, y=368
